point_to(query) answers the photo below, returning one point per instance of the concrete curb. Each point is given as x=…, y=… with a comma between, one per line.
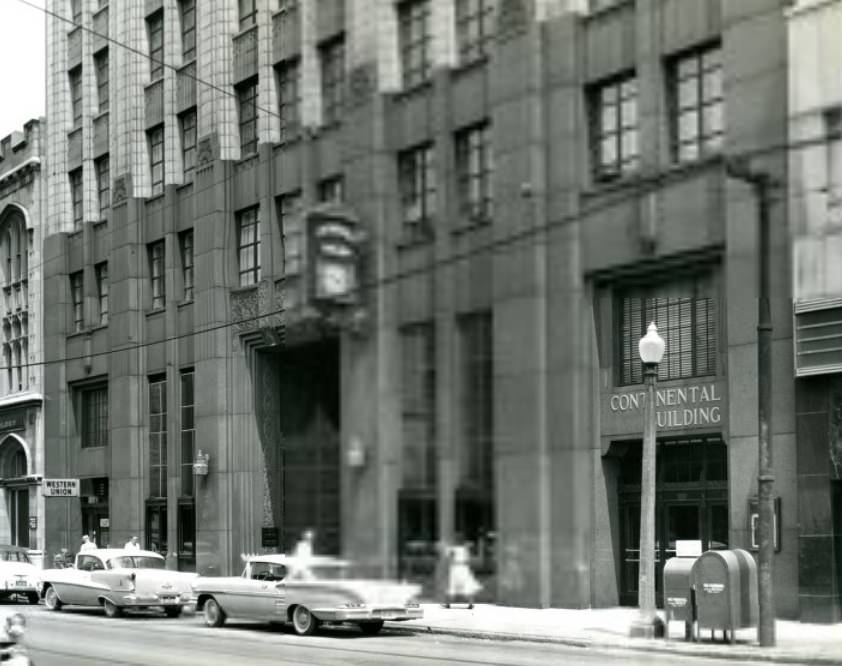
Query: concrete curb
x=678, y=647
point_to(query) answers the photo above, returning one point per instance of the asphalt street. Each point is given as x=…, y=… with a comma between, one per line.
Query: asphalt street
x=85, y=637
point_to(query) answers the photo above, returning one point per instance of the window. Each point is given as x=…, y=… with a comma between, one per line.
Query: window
x=156, y=271
x=186, y=243
x=686, y=313
x=474, y=28
x=101, y=67
x=187, y=12
x=76, y=11
x=102, y=291
x=833, y=132
x=477, y=399
x=698, y=122
x=332, y=190
x=155, y=138
x=291, y=223
x=247, y=101
x=247, y=13
x=77, y=299
x=155, y=31
x=474, y=170
x=414, y=35
x=156, y=525
x=332, y=57
x=75, y=77
x=94, y=416
x=248, y=246
x=103, y=185
x=187, y=532
x=187, y=121
x=289, y=98
x=614, y=128
x=418, y=406
x=76, y=197
x=188, y=433
x=417, y=182
x=157, y=436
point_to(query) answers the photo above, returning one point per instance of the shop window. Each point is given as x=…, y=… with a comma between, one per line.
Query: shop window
x=686, y=313
x=156, y=526
x=187, y=534
x=188, y=432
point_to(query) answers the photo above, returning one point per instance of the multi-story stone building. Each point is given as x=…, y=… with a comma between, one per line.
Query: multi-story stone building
x=815, y=195
x=527, y=182
x=22, y=517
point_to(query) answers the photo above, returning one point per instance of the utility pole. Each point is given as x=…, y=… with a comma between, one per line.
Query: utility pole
x=762, y=183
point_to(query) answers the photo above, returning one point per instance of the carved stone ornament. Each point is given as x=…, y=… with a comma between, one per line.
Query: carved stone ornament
x=204, y=152
x=119, y=192
x=361, y=84
x=244, y=309
x=512, y=18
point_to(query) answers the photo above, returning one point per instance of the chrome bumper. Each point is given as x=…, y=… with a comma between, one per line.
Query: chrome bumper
x=368, y=614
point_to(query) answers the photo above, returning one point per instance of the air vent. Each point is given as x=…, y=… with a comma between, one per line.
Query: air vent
x=818, y=338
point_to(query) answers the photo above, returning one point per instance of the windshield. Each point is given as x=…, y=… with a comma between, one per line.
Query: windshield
x=136, y=562
x=15, y=556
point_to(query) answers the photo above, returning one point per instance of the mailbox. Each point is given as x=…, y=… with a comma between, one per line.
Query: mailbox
x=679, y=599
x=748, y=588
x=717, y=582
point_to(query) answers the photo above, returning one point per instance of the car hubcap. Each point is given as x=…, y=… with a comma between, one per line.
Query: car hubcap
x=211, y=612
x=302, y=618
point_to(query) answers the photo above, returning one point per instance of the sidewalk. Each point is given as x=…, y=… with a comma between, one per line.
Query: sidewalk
x=608, y=628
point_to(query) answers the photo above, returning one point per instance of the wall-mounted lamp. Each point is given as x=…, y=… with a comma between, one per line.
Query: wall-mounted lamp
x=200, y=465
x=356, y=453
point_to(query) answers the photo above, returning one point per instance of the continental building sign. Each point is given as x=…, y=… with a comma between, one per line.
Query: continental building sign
x=690, y=406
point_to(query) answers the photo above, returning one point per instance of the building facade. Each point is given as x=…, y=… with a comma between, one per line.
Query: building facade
x=523, y=185
x=815, y=106
x=22, y=517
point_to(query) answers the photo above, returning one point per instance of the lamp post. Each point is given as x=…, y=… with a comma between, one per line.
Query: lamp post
x=648, y=624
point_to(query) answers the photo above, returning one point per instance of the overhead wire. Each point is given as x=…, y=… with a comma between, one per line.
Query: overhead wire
x=635, y=188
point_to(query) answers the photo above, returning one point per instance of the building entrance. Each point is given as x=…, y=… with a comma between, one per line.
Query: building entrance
x=309, y=425
x=691, y=504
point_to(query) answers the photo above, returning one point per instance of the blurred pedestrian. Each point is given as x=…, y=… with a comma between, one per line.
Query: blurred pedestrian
x=87, y=544
x=303, y=554
x=462, y=585
x=132, y=544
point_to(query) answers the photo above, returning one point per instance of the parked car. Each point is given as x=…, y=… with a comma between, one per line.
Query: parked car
x=306, y=592
x=118, y=579
x=18, y=575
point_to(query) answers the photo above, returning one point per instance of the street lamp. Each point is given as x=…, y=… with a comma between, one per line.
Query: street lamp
x=648, y=624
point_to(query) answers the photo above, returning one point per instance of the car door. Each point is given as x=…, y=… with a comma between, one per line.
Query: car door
x=89, y=593
x=73, y=585
x=270, y=598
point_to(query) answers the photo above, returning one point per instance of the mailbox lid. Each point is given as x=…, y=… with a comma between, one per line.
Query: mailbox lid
x=749, y=610
x=716, y=580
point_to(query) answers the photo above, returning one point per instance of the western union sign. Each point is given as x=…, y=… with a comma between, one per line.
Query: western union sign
x=61, y=487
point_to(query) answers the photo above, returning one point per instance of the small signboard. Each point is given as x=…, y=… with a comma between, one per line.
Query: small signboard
x=688, y=548
x=33, y=522
x=61, y=487
x=754, y=520
x=104, y=522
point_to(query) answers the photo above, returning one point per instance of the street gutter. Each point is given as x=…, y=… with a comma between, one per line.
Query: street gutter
x=678, y=647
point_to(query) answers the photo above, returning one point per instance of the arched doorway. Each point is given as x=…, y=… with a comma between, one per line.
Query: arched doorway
x=14, y=468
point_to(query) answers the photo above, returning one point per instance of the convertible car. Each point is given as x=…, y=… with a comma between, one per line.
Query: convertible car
x=307, y=592
x=18, y=576
x=118, y=579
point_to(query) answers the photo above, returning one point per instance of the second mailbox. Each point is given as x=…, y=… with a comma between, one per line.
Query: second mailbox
x=716, y=580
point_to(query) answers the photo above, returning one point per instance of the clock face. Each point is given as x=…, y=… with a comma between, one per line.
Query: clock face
x=335, y=279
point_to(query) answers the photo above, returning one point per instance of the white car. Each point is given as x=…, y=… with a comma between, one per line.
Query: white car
x=18, y=576
x=307, y=592
x=118, y=579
